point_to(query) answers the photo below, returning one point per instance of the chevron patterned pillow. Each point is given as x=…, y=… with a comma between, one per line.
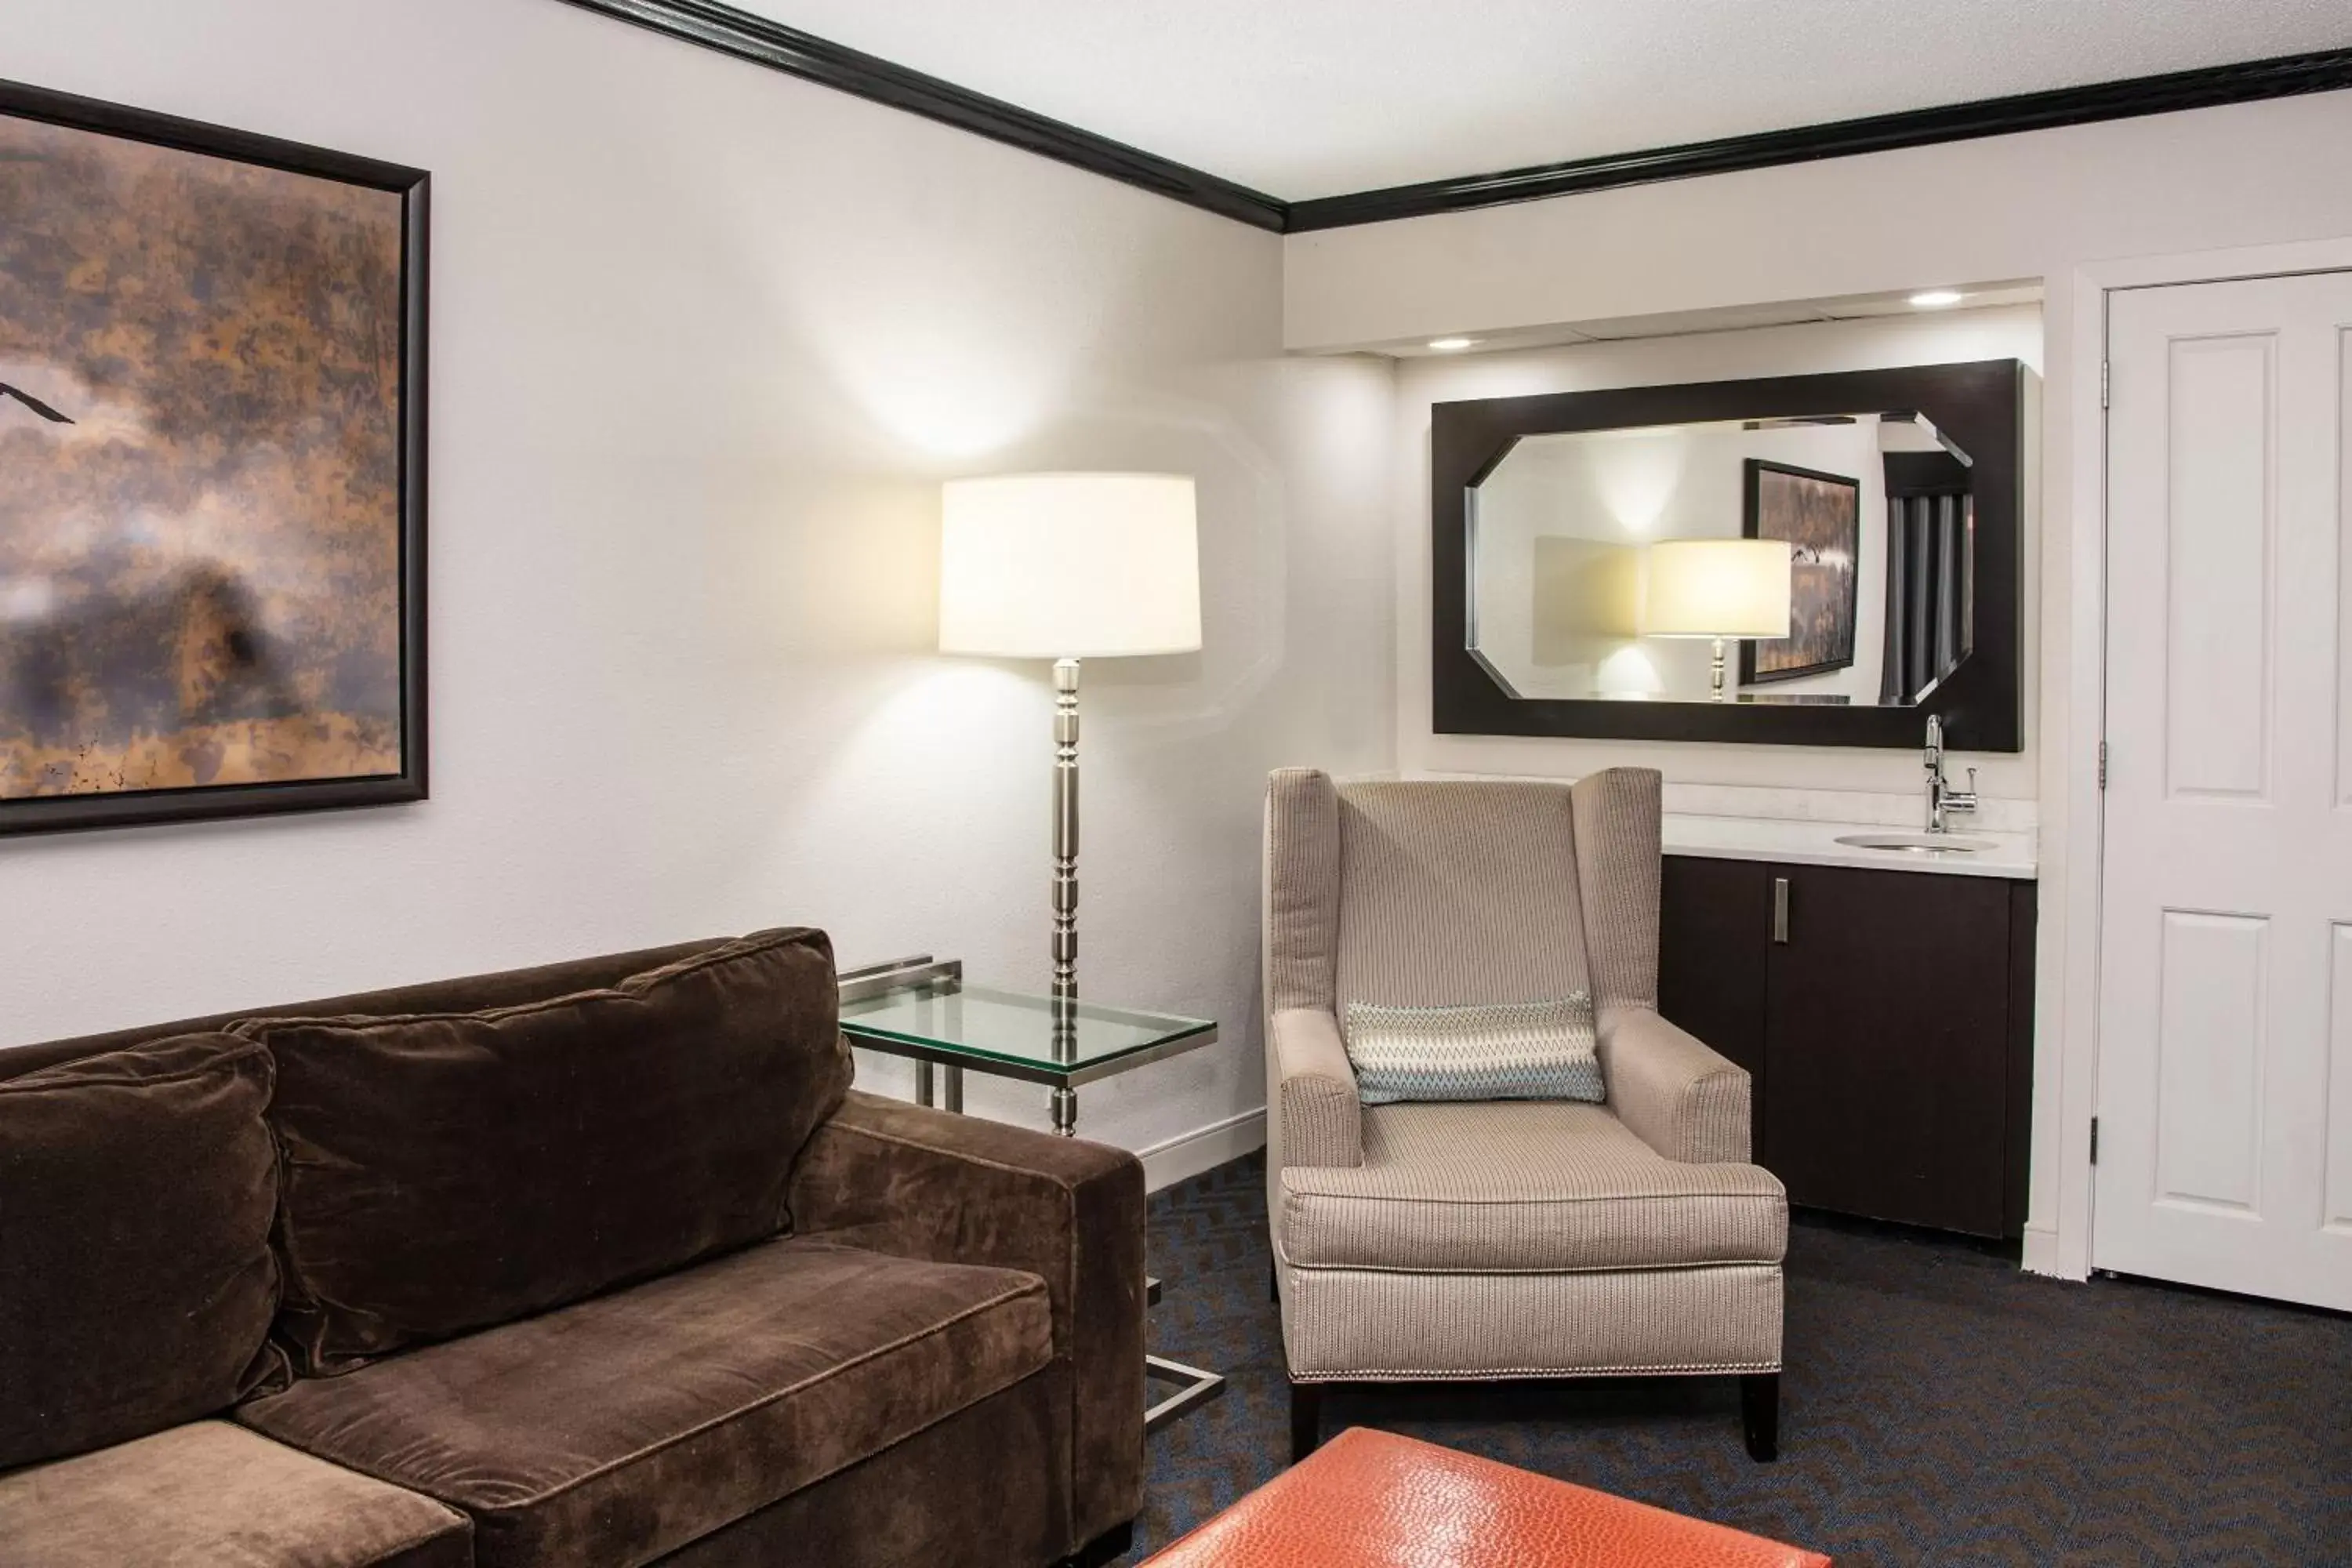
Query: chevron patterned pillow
x=1496, y=1050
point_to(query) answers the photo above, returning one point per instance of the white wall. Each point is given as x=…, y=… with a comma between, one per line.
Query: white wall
x=2044, y=206
x=705, y=339
x=2008, y=207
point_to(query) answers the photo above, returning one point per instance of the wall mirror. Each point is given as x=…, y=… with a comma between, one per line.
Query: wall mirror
x=1811, y=560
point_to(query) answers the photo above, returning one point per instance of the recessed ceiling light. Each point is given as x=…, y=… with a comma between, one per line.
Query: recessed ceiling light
x=1452, y=346
x=1938, y=299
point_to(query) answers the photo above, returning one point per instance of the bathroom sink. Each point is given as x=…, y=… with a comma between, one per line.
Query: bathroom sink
x=1919, y=843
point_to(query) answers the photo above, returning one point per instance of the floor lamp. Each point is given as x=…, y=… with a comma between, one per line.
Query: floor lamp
x=1067, y=567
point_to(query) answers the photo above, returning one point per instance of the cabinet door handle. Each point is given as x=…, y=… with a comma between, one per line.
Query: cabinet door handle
x=1781, y=910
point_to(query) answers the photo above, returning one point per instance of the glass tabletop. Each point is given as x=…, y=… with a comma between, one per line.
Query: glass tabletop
x=1017, y=1035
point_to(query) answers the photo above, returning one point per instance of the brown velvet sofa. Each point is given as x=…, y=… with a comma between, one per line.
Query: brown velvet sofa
x=598, y=1263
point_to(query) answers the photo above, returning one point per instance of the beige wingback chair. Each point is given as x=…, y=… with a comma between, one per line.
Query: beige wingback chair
x=1501, y=1239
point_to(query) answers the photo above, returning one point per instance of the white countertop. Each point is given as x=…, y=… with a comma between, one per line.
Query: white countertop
x=1807, y=843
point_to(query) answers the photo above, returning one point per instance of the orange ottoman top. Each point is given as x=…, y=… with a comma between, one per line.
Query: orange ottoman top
x=1372, y=1499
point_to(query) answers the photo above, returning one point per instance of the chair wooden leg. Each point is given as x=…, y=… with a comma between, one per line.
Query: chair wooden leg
x=1760, y=1414
x=1305, y=1419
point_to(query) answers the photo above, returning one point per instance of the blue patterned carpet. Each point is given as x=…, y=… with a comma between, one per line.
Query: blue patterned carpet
x=1940, y=1406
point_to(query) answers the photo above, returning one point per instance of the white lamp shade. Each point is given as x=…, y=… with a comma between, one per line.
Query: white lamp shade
x=1069, y=566
x=1717, y=588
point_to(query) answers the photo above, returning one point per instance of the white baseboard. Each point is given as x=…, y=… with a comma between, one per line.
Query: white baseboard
x=2041, y=1253
x=1203, y=1149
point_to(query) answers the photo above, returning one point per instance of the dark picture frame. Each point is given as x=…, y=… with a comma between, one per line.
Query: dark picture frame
x=404, y=510
x=1826, y=514
x=1980, y=405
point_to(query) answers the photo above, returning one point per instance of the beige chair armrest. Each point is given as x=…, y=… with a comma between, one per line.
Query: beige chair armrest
x=1322, y=1119
x=1680, y=1098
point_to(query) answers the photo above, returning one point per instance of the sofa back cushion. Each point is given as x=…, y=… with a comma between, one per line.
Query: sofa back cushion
x=446, y=1171
x=463, y=994
x=136, y=1282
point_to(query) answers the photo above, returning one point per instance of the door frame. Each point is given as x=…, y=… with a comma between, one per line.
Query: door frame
x=2065, y=1248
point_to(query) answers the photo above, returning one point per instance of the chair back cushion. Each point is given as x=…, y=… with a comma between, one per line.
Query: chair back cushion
x=136, y=1284
x=1456, y=893
x=446, y=1171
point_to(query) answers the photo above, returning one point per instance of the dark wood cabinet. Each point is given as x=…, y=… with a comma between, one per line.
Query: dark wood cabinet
x=1886, y=1019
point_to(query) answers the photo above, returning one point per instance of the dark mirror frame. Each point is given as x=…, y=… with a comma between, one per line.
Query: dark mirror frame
x=1980, y=405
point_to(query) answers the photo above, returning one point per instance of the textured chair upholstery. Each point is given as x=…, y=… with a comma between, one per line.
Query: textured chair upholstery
x=1507, y=1240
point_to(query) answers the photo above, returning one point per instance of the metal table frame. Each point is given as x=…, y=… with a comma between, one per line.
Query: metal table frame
x=939, y=1082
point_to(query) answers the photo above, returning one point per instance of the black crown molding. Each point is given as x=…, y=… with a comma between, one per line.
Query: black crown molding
x=2324, y=72
x=788, y=49
x=731, y=31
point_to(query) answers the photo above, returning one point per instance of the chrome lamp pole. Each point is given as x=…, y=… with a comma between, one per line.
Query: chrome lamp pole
x=1065, y=884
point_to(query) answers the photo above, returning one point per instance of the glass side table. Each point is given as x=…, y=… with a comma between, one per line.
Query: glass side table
x=921, y=1009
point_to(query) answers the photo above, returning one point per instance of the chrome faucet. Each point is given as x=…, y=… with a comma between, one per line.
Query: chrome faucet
x=1942, y=798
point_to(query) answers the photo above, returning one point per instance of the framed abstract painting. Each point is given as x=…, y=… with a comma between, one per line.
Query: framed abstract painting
x=212, y=471
x=1820, y=515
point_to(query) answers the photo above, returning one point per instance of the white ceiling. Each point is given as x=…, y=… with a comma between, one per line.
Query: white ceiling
x=1309, y=97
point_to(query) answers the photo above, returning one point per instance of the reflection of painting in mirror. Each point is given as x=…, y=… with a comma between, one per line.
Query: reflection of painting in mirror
x=201, y=541
x=1820, y=517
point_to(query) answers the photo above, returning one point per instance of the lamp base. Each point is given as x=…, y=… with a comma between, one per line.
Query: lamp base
x=1720, y=694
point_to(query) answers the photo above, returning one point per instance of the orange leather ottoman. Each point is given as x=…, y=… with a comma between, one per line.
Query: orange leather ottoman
x=1372, y=1499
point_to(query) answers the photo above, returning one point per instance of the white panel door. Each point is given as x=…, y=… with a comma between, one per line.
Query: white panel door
x=2225, y=1012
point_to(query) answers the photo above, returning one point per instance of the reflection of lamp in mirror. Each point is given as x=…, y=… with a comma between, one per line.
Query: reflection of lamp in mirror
x=1717, y=588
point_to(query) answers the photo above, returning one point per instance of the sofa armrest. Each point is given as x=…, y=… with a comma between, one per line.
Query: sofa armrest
x=1322, y=1118
x=918, y=1182
x=1680, y=1098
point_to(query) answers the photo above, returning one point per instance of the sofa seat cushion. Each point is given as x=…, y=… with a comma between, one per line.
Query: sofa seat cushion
x=1531, y=1187
x=214, y=1495
x=619, y=1429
